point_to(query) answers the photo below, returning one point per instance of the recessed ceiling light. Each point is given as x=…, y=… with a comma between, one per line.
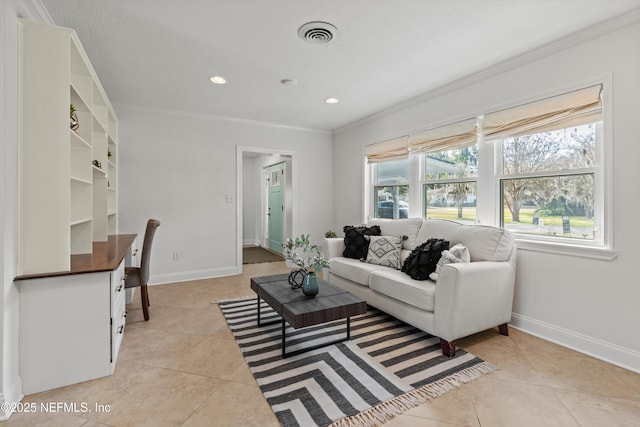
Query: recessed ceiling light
x=331, y=101
x=289, y=82
x=217, y=80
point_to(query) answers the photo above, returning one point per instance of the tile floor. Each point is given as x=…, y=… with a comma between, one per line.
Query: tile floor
x=183, y=368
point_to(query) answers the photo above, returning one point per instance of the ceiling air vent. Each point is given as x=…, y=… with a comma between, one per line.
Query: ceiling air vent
x=318, y=32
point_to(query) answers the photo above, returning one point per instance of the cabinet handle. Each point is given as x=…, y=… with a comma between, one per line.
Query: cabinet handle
x=135, y=252
x=124, y=314
x=119, y=288
x=121, y=329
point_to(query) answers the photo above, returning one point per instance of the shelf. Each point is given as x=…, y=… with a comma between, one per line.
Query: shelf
x=80, y=221
x=80, y=238
x=80, y=180
x=97, y=171
x=81, y=92
x=78, y=141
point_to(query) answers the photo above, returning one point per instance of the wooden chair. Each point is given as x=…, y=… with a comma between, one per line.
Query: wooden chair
x=139, y=276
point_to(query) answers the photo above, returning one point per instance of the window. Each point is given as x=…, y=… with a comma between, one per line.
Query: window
x=391, y=189
x=537, y=169
x=550, y=172
x=450, y=184
x=548, y=183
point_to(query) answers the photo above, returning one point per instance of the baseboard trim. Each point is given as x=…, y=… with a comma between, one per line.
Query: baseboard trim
x=5, y=414
x=185, y=276
x=606, y=351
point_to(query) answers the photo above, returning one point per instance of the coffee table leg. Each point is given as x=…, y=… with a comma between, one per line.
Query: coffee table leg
x=258, y=302
x=283, y=340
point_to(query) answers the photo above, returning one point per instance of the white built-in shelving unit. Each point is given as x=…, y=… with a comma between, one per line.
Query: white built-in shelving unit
x=68, y=180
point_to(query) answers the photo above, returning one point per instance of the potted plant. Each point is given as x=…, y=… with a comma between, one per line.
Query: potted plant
x=309, y=260
x=330, y=234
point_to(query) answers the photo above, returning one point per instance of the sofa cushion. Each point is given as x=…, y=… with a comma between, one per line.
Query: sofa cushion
x=353, y=269
x=397, y=285
x=399, y=227
x=356, y=246
x=485, y=243
x=384, y=250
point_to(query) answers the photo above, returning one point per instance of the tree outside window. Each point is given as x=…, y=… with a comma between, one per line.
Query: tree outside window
x=548, y=182
x=450, y=184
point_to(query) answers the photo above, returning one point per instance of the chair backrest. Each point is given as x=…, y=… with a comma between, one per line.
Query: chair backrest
x=152, y=225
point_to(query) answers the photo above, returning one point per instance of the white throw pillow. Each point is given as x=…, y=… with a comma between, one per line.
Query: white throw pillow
x=457, y=253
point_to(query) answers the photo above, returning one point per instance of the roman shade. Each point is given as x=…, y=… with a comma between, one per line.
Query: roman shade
x=391, y=149
x=450, y=137
x=570, y=109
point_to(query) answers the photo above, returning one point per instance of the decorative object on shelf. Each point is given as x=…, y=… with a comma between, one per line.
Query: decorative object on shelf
x=74, y=124
x=97, y=164
x=310, y=285
x=109, y=154
x=330, y=234
x=296, y=277
x=309, y=260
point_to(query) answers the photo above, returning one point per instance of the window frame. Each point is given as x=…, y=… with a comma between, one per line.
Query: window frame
x=373, y=185
x=424, y=181
x=490, y=176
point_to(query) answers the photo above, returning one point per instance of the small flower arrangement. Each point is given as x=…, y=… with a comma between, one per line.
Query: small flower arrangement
x=305, y=255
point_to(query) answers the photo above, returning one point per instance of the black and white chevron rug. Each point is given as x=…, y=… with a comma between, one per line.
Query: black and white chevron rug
x=385, y=369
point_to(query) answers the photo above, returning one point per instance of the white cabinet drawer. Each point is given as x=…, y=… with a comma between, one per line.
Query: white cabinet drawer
x=118, y=325
x=117, y=286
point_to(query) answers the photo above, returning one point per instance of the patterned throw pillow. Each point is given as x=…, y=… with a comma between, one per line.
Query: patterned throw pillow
x=384, y=250
x=355, y=243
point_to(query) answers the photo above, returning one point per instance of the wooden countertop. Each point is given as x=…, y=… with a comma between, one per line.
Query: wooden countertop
x=106, y=256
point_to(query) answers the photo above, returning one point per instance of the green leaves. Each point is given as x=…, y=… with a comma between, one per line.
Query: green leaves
x=301, y=252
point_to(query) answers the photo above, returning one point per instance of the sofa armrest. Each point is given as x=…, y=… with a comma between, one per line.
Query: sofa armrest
x=333, y=247
x=472, y=297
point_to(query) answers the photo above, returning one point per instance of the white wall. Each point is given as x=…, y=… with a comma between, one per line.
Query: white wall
x=251, y=205
x=591, y=305
x=179, y=168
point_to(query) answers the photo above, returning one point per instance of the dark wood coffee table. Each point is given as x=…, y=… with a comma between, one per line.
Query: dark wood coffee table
x=331, y=303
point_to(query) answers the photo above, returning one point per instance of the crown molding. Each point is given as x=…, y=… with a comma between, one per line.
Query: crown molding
x=206, y=116
x=597, y=30
x=38, y=12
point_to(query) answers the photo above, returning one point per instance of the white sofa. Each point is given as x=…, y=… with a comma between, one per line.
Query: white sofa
x=467, y=297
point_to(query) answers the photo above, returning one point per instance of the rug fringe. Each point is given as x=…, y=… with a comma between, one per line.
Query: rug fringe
x=244, y=298
x=385, y=411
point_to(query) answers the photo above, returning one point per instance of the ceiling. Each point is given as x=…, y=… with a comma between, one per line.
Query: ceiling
x=160, y=53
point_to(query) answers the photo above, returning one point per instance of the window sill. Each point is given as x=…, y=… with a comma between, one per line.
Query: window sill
x=602, y=253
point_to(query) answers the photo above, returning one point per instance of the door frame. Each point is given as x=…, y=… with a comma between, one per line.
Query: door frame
x=291, y=196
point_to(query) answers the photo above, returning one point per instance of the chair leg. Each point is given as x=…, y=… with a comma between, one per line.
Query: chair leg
x=145, y=301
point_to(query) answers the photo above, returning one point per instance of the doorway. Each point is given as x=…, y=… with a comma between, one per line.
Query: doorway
x=253, y=185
